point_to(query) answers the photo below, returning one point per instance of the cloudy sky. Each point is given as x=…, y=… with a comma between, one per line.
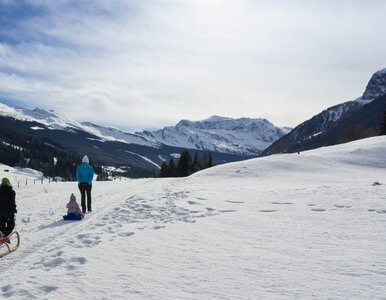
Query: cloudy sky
x=146, y=64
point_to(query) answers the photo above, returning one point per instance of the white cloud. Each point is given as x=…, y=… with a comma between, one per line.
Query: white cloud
x=141, y=64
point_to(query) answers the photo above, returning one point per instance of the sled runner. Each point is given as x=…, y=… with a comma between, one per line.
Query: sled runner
x=9, y=244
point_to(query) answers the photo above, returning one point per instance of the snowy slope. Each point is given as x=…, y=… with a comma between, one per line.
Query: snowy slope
x=308, y=226
x=225, y=135
x=115, y=134
x=20, y=175
x=48, y=118
x=53, y=120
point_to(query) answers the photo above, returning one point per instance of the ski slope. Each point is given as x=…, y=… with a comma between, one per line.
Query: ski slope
x=308, y=226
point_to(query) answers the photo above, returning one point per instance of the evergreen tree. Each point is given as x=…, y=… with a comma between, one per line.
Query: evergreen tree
x=382, y=126
x=210, y=161
x=196, y=165
x=164, y=171
x=184, y=164
x=171, y=169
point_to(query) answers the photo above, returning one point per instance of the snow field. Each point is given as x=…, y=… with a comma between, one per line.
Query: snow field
x=308, y=226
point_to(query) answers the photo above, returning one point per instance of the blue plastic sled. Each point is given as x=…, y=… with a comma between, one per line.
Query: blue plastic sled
x=73, y=217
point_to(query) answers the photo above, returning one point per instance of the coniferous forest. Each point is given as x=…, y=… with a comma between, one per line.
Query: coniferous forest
x=186, y=165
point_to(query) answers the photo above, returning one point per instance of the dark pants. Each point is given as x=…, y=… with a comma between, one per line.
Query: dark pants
x=84, y=189
x=7, y=224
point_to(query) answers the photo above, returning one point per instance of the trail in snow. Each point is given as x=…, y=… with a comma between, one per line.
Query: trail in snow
x=283, y=227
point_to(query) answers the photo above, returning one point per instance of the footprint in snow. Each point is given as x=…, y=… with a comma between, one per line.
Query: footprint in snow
x=318, y=209
x=379, y=211
x=48, y=288
x=339, y=206
x=75, y=262
x=126, y=234
x=236, y=202
x=6, y=288
x=26, y=220
x=268, y=210
x=158, y=227
x=201, y=199
x=227, y=210
x=88, y=240
x=282, y=203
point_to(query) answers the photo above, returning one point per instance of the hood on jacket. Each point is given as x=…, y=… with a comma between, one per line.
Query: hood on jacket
x=85, y=159
x=5, y=182
x=72, y=197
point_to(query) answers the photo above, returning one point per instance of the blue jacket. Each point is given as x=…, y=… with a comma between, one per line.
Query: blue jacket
x=84, y=173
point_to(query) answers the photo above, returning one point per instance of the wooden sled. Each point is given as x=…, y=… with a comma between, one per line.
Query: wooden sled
x=9, y=243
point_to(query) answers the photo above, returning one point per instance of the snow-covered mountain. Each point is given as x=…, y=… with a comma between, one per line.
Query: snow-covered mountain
x=344, y=122
x=39, y=130
x=243, y=136
x=115, y=134
x=309, y=226
x=55, y=121
x=376, y=86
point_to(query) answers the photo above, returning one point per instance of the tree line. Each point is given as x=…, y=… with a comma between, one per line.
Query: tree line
x=186, y=165
x=38, y=155
x=382, y=126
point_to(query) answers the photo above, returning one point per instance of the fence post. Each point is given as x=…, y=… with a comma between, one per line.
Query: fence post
x=26, y=182
x=18, y=184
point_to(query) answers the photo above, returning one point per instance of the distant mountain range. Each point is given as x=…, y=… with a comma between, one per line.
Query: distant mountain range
x=341, y=123
x=141, y=153
x=242, y=136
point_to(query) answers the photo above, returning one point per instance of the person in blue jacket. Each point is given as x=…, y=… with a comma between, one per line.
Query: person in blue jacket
x=85, y=175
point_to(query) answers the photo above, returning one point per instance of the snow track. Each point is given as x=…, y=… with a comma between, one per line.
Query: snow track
x=60, y=230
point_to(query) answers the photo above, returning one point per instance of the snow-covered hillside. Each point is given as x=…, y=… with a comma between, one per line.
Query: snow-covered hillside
x=308, y=226
x=225, y=135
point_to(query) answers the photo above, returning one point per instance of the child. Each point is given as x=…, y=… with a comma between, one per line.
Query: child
x=73, y=210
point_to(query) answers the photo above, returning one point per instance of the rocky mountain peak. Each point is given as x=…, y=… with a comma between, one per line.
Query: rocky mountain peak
x=376, y=85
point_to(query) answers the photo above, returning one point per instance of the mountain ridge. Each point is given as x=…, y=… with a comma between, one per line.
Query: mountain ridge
x=339, y=123
x=221, y=134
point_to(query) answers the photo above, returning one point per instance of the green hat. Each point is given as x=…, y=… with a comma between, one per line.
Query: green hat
x=5, y=181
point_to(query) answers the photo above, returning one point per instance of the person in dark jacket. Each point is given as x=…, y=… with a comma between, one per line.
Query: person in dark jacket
x=85, y=175
x=7, y=207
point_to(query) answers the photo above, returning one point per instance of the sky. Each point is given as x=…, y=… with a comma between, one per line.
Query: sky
x=148, y=64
